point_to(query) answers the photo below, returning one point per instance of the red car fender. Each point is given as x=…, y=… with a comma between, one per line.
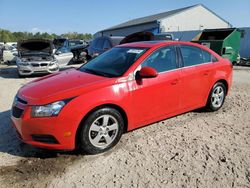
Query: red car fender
x=80, y=106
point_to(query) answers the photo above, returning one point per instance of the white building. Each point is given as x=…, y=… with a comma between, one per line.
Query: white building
x=197, y=17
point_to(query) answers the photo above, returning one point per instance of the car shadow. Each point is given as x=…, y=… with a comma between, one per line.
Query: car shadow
x=9, y=142
x=8, y=72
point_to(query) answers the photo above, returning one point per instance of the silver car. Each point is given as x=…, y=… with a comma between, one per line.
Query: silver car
x=36, y=56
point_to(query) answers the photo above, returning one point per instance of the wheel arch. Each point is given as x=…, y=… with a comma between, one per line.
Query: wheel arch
x=110, y=105
x=219, y=80
x=224, y=82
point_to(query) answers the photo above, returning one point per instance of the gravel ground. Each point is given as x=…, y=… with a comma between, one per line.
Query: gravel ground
x=196, y=149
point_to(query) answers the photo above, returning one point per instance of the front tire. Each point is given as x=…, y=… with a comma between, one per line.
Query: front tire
x=216, y=97
x=101, y=131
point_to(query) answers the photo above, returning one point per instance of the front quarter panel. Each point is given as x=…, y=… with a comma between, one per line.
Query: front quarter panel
x=74, y=112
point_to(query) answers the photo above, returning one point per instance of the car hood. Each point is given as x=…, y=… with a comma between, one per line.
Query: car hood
x=62, y=85
x=35, y=46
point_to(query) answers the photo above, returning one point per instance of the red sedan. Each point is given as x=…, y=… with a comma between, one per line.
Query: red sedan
x=125, y=88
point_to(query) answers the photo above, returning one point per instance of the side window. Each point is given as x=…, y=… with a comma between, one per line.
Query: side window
x=191, y=55
x=208, y=57
x=163, y=59
x=214, y=59
x=106, y=44
x=63, y=50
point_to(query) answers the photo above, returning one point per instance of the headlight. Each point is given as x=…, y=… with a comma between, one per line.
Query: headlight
x=48, y=110
x=53, y=61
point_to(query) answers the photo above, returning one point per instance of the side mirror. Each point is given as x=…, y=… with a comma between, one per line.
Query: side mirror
x=147, y=72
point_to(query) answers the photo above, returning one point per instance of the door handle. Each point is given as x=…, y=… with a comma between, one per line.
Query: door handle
x=174, y=82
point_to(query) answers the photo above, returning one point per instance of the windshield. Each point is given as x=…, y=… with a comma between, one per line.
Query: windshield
x=58, y=42
x=114, y=62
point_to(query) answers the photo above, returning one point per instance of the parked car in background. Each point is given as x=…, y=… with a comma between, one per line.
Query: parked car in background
x=127, y=87
x=9, y=53
x=104, y=43
x=64, y=56
x=36, y=56
x=1, y=52
x=69, y=50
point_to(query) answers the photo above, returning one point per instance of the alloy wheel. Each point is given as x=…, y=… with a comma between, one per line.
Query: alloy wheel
x=103, y=131
x=218, y=96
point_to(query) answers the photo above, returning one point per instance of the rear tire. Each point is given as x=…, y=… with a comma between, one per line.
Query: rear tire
x=216, y=97
x=101, y=131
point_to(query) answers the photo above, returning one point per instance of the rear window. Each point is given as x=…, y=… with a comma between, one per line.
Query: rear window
x=208, y=57
x=191, y=55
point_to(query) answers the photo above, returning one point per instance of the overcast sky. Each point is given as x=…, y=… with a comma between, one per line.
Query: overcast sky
x=84, y=16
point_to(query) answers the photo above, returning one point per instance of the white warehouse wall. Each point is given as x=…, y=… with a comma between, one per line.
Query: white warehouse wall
x=196, y=18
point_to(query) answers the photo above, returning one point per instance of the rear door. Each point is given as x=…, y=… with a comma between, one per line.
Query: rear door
x=154, y=98
x=195, y=76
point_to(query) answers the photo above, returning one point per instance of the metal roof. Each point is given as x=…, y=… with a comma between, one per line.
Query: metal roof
x=149, y=19
x=157, y=17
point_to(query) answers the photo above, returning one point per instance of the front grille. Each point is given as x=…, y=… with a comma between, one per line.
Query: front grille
x=49, y=139
x=17, y=112
x=35, y=64
x=43, y=64
x=21, y=100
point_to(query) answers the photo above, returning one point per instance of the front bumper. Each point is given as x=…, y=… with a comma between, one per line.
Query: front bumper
x=37, y=68
x=48, y=133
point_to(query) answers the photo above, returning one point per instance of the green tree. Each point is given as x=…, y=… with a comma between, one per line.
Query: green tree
x=7, y=36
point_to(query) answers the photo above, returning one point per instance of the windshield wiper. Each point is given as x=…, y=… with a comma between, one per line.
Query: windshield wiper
x=91, y=71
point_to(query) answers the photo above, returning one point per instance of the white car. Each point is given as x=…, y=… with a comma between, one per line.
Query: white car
x=36, y=56
x=9, y=54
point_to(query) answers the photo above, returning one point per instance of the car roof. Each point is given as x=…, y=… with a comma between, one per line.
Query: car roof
x=151, y=44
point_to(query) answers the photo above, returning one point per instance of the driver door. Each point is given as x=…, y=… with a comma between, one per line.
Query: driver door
x=156, y=98
x=63, y=56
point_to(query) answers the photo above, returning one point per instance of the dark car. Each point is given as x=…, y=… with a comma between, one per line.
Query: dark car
x=102, y=44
